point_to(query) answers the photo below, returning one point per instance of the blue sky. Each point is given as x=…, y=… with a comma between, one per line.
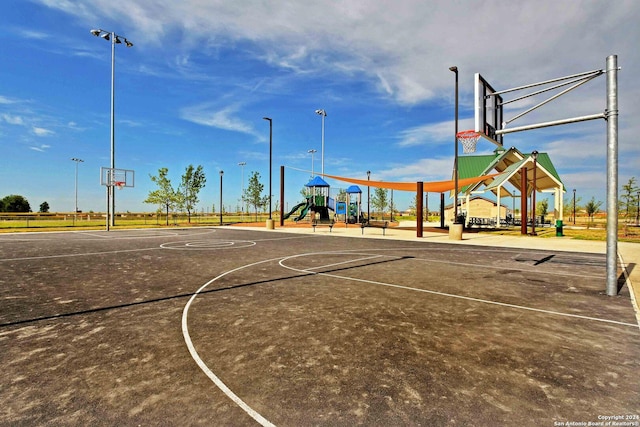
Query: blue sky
x=203, y=74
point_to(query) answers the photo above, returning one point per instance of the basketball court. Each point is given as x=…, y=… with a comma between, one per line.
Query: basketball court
x=228, y=326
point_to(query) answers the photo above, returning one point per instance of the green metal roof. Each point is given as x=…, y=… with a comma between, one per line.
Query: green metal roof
x=472, y=166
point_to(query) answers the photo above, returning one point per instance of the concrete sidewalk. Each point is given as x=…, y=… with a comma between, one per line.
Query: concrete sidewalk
x=628, y=253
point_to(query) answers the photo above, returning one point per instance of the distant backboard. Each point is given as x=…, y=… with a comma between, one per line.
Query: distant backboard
x=488, y=107
x=117, y=177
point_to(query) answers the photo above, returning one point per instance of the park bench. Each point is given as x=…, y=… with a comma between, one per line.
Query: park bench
x=375, y=224
x=322, y=223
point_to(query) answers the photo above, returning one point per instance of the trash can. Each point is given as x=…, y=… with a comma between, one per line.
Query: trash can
x=559, y=228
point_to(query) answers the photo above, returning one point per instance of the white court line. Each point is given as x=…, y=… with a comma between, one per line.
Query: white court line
x=495, y=267
x=445, y=294
x=340, y=263
x=196, y=357
x=77, y=255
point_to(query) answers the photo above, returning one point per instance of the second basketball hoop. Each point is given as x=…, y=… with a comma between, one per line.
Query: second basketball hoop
x=468, y=139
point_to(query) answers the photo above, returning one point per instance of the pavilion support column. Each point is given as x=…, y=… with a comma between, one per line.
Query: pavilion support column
x=441, y=210
x=498, y=206
x=419, y=226
x=523, y=201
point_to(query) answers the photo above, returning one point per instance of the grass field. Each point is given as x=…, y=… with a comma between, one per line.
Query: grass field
x=584, y=230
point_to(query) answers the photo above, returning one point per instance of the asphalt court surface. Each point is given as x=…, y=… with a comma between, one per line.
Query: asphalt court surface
x=227, y=326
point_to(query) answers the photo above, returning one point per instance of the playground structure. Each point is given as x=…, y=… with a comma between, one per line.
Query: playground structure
x=318, y=202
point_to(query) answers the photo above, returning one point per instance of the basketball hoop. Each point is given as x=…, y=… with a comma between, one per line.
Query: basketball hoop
x=468, y=139
x=119, y=184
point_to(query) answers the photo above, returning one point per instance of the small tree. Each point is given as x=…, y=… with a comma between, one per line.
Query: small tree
x=253, y=193
x=592, y=208
x=165, y=196
x=629, y=198
x=542, y=208
x=44, y=207
x=193, y=181
x=380, y=199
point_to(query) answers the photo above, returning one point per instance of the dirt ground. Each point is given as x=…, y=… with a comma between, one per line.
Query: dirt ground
x=236, y=327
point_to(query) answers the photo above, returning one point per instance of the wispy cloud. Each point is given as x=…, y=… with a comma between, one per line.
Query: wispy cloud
x=41, y=148
x=13, y=120
x=435, y=133
x=222, y=119
x=38, y=131
x=6, y=100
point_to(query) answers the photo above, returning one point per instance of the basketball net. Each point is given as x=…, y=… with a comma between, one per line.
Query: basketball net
x=119, y=185
x=468, y=139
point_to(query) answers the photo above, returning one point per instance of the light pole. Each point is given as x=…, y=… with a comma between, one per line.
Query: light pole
x=322, y=113
x=574, y=206
x=312, y=153
x=221, y=173
x=534, y=154
x=77, y=160
x=270, y=221
x=115, y=39
x=368, y=196
x=455, y=155
x=242, y=165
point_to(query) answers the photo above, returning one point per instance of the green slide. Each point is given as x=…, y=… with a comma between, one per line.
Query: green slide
x=303, y=213
x=295, y=208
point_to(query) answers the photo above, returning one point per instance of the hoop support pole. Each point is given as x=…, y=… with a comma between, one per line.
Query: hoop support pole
x=612, y=175
x=552, y=123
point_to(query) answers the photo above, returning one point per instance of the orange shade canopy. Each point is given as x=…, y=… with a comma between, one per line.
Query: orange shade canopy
x=428, y=187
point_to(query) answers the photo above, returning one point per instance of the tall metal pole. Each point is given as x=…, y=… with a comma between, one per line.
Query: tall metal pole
x=114, y=38
x=242, y=165
x=221, y=173
x=323, y=113
x=612, y=175
x=75, y=212
x=270, y=158
x=574, y=206
x=113, y=126
x=455, y=143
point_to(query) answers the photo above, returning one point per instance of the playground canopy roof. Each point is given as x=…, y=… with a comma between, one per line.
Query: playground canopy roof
x=317, y=182
x=354, y=189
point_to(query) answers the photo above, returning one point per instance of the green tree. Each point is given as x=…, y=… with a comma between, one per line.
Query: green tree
x=629, y=198
x=44, y=207
x=592, y=208
x=542, y=208
x=193, y=181
x=380, y=199
x=253, y=193
x=15, y=203
x=164, y=196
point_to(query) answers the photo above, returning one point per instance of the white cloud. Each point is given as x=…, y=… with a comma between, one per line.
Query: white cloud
x=435, y=133
x=6, y=100
x=13, y=120
x=41, y=148
x=221, y=119
x=38, y=131
x=405, y=48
